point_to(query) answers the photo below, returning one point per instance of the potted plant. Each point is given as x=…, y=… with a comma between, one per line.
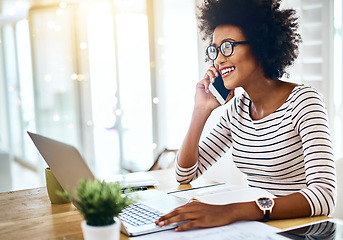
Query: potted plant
x=100, y=203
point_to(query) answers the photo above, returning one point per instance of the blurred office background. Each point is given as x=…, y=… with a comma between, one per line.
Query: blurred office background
x=116, y=78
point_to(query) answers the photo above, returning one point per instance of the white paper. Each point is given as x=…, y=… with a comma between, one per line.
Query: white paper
x=237, y=231
x=188, y=194
x=224, y=194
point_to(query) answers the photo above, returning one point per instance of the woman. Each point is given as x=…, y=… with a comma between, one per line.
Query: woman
x=278, y=131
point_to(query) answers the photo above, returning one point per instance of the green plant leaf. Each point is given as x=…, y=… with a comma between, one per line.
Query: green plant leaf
x=98, y=201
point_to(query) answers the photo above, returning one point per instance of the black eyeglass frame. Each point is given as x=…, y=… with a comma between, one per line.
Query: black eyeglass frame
x=233, y=44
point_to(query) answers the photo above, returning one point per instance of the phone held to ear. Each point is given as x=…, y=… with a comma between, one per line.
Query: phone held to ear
x=218, y=90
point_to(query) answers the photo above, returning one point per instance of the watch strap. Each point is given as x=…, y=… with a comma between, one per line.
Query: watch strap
x=266, y=216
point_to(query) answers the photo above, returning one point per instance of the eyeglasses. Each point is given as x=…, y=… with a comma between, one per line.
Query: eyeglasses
x=226, y=48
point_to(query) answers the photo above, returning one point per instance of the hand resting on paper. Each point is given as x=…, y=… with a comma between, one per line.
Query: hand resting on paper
x=200, y=215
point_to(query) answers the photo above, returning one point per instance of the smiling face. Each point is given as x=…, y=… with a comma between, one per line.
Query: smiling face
x=241, y=69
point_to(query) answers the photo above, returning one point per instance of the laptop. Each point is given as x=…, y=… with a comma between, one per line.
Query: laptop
x=68, y=167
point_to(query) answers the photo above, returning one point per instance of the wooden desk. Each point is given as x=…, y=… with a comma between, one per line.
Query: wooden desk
x=28, y=214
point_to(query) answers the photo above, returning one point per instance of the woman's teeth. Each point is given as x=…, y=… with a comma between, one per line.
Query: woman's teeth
x=227, y=70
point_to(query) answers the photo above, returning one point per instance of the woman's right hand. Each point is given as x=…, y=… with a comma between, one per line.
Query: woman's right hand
x=203, y=97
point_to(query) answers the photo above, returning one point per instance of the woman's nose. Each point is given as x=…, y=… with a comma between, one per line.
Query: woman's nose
x=220, y=58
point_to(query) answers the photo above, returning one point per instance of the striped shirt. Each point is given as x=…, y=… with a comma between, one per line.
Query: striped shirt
x=285, y=152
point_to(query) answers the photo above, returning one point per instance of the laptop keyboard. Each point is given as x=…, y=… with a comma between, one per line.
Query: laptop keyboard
x=139, y=214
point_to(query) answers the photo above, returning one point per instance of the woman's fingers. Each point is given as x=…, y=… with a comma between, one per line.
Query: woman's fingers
x=209, y=77
x=192, y=220
x=177, y=215
x=183, y=213
x=211, y=74
x=197, y=214
x=183, y=217
x=204, y=100
x=189, y=225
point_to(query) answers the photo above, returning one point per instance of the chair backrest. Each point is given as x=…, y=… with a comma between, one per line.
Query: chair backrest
x=339, y=204
x=165, y=159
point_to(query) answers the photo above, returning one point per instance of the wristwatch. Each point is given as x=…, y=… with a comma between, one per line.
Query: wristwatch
x=266, y=205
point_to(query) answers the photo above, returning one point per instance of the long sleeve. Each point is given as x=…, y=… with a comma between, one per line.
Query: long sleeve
x=310, y=122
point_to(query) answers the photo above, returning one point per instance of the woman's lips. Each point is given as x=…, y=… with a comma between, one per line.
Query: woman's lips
x=226, y=71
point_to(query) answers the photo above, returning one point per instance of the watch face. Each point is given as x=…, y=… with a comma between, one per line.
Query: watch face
x=265, y=203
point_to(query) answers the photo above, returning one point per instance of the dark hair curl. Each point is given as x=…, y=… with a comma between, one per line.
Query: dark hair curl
x=271, y=32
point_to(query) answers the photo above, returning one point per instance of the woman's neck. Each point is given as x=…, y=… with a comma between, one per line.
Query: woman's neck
x=267, y=96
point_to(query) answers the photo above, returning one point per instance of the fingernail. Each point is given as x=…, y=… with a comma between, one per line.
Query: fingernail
x=161, y=223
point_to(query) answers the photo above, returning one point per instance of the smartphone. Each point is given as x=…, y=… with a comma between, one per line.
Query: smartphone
x=218, y=90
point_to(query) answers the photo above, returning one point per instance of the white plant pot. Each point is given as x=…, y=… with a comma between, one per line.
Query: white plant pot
x=109, y=232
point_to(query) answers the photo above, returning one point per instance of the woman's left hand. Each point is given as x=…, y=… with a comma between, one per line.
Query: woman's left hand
x=198, y=215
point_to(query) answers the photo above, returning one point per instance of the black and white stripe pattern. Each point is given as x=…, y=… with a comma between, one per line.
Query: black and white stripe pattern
x=288, y=151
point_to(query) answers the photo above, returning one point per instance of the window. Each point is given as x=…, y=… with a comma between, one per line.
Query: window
x=113, y=91
x=337, y=80
x=320, y=60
